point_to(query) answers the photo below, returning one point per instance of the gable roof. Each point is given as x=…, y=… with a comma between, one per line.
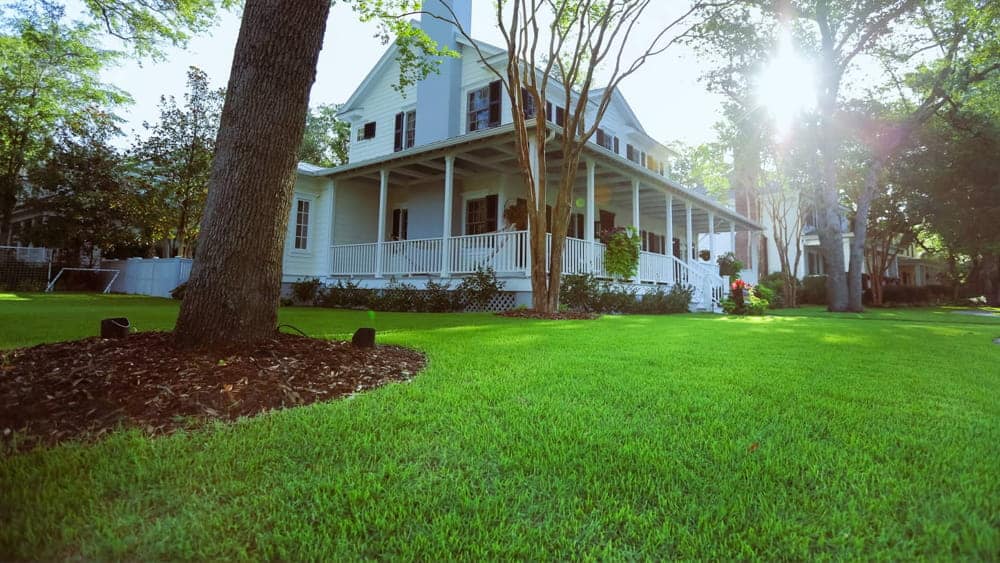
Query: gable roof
x=370, y=79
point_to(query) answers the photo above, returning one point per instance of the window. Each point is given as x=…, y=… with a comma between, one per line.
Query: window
x=560, y=116
x=481, y=215
x=606, y=221
x=484, y=107
x=605, y=140
x=529, y=103
x=406, y=130
x=367, y=131
x=631, y=153
x=617, y=149
x=548, y=111
x=301, y=224
x=400, y=223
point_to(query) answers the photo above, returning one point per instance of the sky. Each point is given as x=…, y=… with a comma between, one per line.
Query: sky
x=665, y=93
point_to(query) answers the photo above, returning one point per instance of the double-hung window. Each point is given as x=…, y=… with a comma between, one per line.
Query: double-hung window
x=406, y=130
x=607, y=140
x=301, y=224
x=484, y=107
x=481, y=215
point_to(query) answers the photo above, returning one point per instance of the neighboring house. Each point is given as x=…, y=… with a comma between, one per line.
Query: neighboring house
x=433, y=169
x=908, y=267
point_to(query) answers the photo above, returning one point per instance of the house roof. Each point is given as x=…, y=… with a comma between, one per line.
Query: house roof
x=455, y=145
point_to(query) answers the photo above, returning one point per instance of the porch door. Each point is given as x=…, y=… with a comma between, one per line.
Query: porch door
x=606, y=221
x=400, y=221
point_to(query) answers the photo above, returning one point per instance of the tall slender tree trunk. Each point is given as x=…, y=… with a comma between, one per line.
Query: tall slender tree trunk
x=857, y=258
x=232, y=296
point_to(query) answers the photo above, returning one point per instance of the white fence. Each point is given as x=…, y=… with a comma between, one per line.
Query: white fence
x=149, y=276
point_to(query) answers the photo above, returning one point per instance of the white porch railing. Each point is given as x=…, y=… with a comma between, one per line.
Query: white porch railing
x=509, y=253
x=353, y=259
x=411, y=257
x=505, y=252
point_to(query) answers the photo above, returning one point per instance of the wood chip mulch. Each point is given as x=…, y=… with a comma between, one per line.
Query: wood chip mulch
x=564, y=316
x=83, y=389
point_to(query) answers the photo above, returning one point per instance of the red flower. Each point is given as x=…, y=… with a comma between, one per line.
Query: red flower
x=740, y=284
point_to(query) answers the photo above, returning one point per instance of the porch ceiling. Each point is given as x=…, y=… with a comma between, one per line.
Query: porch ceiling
x=493, y=150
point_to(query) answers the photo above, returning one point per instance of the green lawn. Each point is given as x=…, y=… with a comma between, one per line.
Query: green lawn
x=624, y=437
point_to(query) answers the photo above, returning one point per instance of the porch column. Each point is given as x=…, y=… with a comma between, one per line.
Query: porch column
x=711, y=238
x=588, y=216
x=688, y=234
x=732, y=237
x=449, y=190
x=383, y=197
x=635, y=205
x=326, y=252
x=669, y=243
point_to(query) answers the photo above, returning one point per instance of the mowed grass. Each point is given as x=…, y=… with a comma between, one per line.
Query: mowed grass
x=625, y=437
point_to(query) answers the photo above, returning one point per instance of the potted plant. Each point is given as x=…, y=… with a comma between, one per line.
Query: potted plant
x=621, y=257
x=705, y=255
x=516, y=214
x=729, y=265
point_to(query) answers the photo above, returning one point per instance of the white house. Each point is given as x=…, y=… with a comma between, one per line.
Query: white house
x=433, y=168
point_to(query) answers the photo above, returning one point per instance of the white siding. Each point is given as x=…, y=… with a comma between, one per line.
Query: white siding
x=381, y=106
x=311, y=261
x=356, y=212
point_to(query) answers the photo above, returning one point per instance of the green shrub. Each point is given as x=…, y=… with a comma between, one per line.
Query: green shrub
x=305, y=292
x=396, y=296
x=744, y=299
x=617, y=299
x=439, y=298
x=579, y=292
x=661, y=302
x=813, y=290
x=178, y=292
x=765, y=293
x=479, y=289
x=345, y=295
x=776, y=283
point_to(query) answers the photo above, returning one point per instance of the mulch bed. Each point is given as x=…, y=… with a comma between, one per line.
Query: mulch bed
x=533, y=314
x=83, y=389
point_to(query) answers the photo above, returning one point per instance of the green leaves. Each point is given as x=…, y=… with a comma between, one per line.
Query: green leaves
x=326, y=139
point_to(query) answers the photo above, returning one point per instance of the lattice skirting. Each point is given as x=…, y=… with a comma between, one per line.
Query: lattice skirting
x=503, y=301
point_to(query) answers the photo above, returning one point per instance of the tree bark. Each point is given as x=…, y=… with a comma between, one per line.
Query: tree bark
x=857, y=258
x=234, y=289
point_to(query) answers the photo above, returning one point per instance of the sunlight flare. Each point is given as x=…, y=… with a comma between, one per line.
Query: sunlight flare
x=787, y=86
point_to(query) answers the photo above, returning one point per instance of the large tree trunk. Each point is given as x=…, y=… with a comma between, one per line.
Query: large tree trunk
x=830, y=228
x=232, y=296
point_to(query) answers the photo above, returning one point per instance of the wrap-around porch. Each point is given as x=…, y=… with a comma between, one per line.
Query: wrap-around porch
x=474, y=228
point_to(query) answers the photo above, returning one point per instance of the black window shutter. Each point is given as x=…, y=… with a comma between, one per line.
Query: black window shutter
x=548, y=111
x=396, y=223
x=398, y=144
x=492, y=212
x=560, y=116
x=495, y=103
x=370, y=130
x=617, y=151
x=405, y=224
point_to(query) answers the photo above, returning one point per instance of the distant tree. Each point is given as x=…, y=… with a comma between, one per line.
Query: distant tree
x=326, y=140
x=81, y=191
x=143, y=26
x=703, y=166
x=174, y=162
x=49, y=80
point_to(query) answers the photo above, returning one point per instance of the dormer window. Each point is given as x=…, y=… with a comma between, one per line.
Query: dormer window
x=484, y=107
x=406, y=130
x=530, y=109
x=607, y=140
x=367, y=131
